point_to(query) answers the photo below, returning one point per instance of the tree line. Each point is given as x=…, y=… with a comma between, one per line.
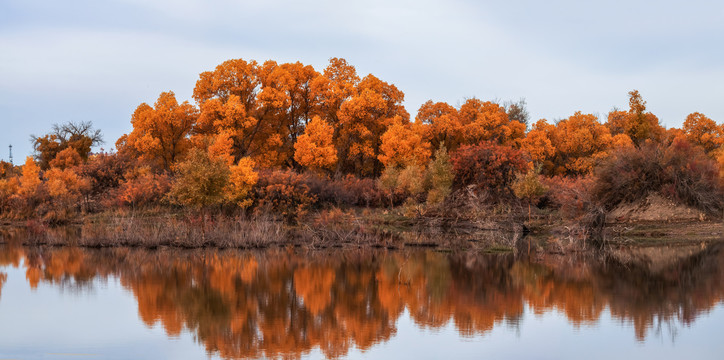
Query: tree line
x=287, y=137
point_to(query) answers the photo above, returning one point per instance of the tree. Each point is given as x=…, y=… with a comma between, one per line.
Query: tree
x=200, y=180
x=488, y=121
x=537, y=143
x=580, y=141
x=80, y=136
x=315, y=148
x=517, y=111
x=65, y=186
x=160, y=133
x=263, y=108
x=402, y=146
x=336, y=85
x=703, y=131
x=439, y=122
x=30, y=181
x=364, y=117
x=6, y=169
x=641, y=125
x=66, y=159
x=242, y=179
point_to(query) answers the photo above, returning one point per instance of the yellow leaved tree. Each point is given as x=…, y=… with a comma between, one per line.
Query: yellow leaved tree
x=315, y=149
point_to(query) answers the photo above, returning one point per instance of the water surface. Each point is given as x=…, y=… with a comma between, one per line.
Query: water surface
x=663, y=303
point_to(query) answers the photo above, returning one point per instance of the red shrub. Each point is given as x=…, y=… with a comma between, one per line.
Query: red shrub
x=571, y=195
x=348, y=191
x=142, y=190
x=488, y=166
x=284, y=193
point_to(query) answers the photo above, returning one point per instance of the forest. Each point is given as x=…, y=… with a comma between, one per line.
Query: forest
x=289, y=142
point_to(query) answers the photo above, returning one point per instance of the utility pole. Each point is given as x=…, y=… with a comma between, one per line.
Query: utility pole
x=11, y=154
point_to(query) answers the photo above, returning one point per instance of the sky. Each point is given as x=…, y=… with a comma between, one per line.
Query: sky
x=89, y=60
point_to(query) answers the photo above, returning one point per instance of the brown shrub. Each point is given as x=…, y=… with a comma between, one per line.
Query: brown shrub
x=679, y=171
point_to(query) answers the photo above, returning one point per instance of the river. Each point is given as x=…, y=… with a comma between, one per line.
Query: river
x=119, y=303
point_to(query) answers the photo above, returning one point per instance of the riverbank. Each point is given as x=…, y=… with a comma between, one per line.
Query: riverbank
x=356, y=228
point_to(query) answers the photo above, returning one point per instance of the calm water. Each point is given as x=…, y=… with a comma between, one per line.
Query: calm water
x=127, y=303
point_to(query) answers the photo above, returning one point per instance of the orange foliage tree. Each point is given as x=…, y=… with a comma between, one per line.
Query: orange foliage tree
x=263, y=108
x=30, y=182
x=315, y=148
x=79, y=136
x=703, y=131
x=402, y=146
x=488, y=121
x=579, y=142
x=439, y=122
x=160, y=133
x=242, y=179
x=67, y=158
x=364, y=117
x=638, y=124
x=537, y=143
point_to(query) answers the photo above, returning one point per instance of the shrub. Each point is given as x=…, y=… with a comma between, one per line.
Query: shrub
x=284, y=193
x=105, y=171
x=488, y=167
x=679, y=171
x=571, y=195
x=201, y=181
x=529, y=187
x=439, y=176
x=142, y=187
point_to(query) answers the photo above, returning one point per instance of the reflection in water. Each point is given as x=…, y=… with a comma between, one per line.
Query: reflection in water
x=280, y=303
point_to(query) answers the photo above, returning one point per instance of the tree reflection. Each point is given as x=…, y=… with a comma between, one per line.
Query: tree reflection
x=283, y=304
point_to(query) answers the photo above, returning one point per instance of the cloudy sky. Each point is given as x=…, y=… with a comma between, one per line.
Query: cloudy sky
x=90, y=60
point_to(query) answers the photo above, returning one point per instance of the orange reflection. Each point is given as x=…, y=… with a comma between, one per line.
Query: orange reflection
x=278, y=303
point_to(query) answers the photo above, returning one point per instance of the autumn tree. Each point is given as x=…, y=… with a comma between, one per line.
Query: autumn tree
x=336, y=85
x=439, y=122
x=200, y=180
x=263, y=108
x=80, y=136
x=488, y=121
x=30, y=181
x=636, y=123
x=703, y=131
x=9, y=189
x=105, y=172
x=315, y=148
x=579, y=142
x=6, y=169
x=537, y=143
x=402, y=146
x=364, y=117
x=160, y=133
x=66, y=188
x=66, y=159
x=242, y=179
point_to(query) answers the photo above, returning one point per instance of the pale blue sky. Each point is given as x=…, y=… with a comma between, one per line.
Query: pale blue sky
x=95, y=60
